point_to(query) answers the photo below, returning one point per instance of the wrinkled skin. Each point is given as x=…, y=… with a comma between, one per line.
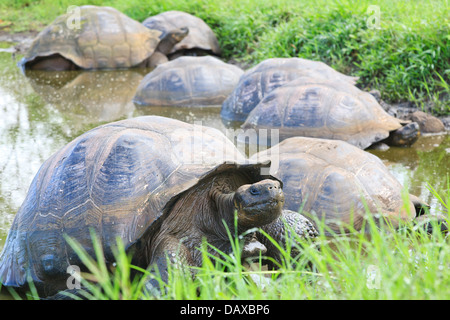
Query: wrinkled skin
x=257, y=205
x=191, y=221
x=405, y=136
x=167, y=43
x=132, y=180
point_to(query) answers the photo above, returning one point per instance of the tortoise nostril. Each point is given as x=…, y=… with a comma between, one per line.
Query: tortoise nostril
x=254, y=191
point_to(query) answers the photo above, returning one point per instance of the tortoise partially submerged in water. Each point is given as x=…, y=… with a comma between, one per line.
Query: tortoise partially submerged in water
x=201, y=40
x=188, y=81
x=158, y=184
x=104, y=39
x=268, y=75
x=339, y=184
x=328, y=109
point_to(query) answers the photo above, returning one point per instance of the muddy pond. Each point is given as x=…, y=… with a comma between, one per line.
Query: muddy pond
x=40, y=112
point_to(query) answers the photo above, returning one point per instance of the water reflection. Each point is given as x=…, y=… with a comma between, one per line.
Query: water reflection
x=91, y=97
x=41, y=112
x=207, y=116
x=425, y=162
x=28, y=135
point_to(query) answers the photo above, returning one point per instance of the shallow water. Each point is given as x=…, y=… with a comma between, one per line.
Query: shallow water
x=40, y=112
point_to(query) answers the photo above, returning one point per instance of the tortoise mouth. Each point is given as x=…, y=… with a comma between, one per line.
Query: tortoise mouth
x=259, y=207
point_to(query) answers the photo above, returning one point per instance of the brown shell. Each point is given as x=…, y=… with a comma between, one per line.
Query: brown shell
x=200, y=34
x=321, y=108
x=188, y=81
x=270, y=74
x=106, y=39
x=115, y=179
x=334, y=180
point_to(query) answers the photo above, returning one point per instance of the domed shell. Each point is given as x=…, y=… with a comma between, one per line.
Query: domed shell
x=188, y=81
x=104, y=39
x=320, y=108
x=117, y=180
x=268, y=75
x=200, y=34
x=334, y=180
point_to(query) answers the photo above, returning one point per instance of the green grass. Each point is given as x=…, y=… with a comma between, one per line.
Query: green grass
x=407, y=58
x=402, y=264
x=389, y=265
x=383, y=264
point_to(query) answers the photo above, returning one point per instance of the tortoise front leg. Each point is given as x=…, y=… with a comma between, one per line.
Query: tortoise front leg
x=168, y=251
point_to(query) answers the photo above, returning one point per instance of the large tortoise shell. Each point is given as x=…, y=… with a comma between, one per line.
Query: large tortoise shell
x=268, y=75
x=104, y=39
x=337, y=183
x=188, y=81
x=320, y=108
x=116, y=180
x=200, y=34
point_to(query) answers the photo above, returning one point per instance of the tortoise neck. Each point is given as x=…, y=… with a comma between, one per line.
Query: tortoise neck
x=224, y=200
x=166, y=44
x=225, y=205
x=226, y=208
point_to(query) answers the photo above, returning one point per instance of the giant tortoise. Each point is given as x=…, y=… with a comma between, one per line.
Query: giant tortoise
x=160, y=185
x=103, y=38
x=339, y=184
x=269, y=74
x=201, y=39
x=329, y=109
x=188, y=81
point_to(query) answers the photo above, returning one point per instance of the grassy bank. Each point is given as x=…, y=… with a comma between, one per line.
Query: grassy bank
x=404, y=51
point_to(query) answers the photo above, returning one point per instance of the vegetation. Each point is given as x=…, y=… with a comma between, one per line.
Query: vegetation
x=389, y=264
x=405, y=264
x=404, y=51
x=406, y=58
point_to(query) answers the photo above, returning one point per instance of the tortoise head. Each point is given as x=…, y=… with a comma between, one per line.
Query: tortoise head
x=259, y=203
x=171, y=39
x=178, y=34
x=405, y=136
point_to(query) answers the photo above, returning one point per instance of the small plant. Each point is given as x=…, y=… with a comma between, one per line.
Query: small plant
x=444, y=199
